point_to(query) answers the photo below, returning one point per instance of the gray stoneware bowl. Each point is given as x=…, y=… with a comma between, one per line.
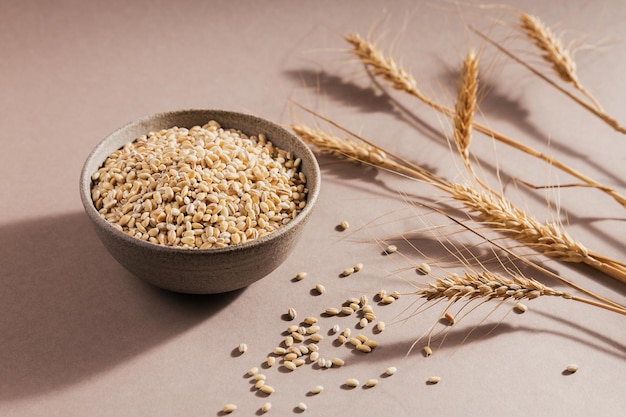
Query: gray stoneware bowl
x=201, y=271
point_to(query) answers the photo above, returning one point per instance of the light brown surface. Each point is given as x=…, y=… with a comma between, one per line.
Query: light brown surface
x=81, y=337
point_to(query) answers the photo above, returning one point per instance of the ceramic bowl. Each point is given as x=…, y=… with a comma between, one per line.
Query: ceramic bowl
x=201, y=271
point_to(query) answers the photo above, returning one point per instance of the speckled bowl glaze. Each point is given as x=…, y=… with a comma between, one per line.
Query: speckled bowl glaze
x=201, y=271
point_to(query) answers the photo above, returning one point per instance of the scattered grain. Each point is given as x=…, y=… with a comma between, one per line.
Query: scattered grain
x=313, y=330
x=344, y=225
x=346, y=272
x=352, y=382
x=520, y=307
x=267, y=389
x=391, y=249
x=427, y=351
x=380, y=326
x=571, y=368
x=279, y=350
x=354, y=341
x=434, y=380
x=297, y=336
x=371, y=343
x=358, y=267
x=229, y=408
x=288, y=341
x=423, y=269
x=290, y=356
x=316, y=337
x=242, y=348
x=271, y=360
x=371, y=382
x=253, y=371
x=290, y=365
x=291, y=313
x=317, y=389
x=320, y=289
x=335, y=328
x=266, y=407
x=314, y=356
x=449, y=317
x=302, y=407
x=388, y=299
x=346, y=311
x=293, y=328
x=301, y=275
x=342, y=339
x=260, y=377
x=391, y=370
x=310, y=320
x=259, y=383
x=299, y=362
x=363, y=348
x=332, y=311
x=363, y=322
x=338, y=362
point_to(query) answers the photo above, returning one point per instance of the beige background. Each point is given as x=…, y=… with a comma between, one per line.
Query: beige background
x=79, y=336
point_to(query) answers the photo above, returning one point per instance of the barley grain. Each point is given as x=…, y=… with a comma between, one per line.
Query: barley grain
x=310, y=320
x=314, y=356
x=278, y=350
x=297, y=336
x=302, y=406
x=346, y=311
x=433, y=380
x=371, y=382
x=301, y=275
x=290, y=365
x=253, y=371
x=380, y=326
x=316, y=337
x=317, y=389
x=259, y=383
x=571, y=368
x=266, y=407
x=520, y=307
x=229, y=408
x=358, y=267
x=427, y=351
x=291, y=313
x=320, y=289
x=391, y=370
x=271, y=360
x=423, y=269
x=352, y=382
x=346, y=272
x=344, y=225
x=363, y=348
x=391, y=249
x=338, y=362
x=332, y=311
x=336, y=328
x=449, y=317
x=363, y=322
x=267, y=389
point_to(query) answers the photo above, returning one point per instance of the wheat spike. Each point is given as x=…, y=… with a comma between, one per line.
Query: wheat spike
x=487, y=285
x=466, y=105
x=554, y=52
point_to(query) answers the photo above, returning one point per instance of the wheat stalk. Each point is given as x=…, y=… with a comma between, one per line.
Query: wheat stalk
x=554, y=53
x=402, y=80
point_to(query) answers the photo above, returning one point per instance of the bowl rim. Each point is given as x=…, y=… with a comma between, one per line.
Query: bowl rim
x=90, y=209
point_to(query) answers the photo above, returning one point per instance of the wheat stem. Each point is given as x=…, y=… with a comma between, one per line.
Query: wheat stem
x=401, y=79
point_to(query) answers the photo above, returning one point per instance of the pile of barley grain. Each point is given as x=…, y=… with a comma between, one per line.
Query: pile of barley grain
x=204, y=187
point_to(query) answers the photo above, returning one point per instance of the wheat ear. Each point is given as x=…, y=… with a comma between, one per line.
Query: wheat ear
x=488, y=285
x=465, y=107
x=554, y=53
x=402, y=80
